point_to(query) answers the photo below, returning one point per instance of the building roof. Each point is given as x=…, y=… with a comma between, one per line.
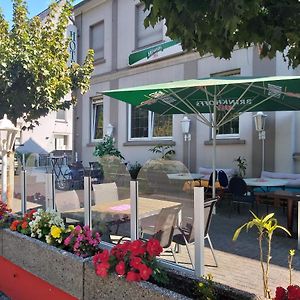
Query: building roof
x=83, y=2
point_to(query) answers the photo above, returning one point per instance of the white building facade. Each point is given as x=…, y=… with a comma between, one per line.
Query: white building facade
x=128, y=55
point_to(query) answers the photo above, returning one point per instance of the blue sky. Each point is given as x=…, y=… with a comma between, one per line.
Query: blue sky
x=34, y=7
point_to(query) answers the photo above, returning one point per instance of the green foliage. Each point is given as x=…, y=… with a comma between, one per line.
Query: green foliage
x=166, y=152
x=292, y=253
x=242, y=166
x=218, y=26
x=34, y=75
x=204, y=288
x=266, y=227
x=107, y=147
x=134, y=170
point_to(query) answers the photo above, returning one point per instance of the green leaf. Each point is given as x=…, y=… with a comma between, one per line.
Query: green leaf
x=266, y=218
x=237, y=232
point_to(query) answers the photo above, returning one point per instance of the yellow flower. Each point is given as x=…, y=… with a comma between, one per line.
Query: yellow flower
x=55, y=232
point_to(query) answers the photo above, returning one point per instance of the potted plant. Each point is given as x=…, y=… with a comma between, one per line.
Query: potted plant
x=107, y=147
x=241, y=165
x=134, y=170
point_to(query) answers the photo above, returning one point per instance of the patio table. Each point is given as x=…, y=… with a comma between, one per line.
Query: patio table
x=120, y=210
x=265, y=183
x=16, y=205
x=290, y=198
x=185, y=176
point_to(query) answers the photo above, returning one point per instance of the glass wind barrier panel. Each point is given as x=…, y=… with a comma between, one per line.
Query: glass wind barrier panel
x=110, y=194
x=29, y=180
x=68, y=178
x=166, y=208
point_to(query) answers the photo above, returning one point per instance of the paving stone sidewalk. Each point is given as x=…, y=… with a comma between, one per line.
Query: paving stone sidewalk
x=238, y=262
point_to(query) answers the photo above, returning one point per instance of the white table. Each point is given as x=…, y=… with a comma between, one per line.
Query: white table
x=117, y=210
x=185, y=176
x=265, y=182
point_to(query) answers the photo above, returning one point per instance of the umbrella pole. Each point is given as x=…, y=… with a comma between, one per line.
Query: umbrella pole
x=214, y=128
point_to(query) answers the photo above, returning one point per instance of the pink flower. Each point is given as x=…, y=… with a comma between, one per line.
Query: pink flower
x=77, y=229
x=67, y=240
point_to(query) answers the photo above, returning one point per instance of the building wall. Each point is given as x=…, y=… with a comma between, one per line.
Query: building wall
x=42, y=138
x=114, y=72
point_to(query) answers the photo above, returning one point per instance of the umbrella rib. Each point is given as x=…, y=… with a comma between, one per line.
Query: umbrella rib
x=232, y=107
x=168, y=93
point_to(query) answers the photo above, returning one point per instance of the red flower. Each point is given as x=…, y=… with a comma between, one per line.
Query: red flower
x=137, y=247
x=135, y=262
x=120, y=268
x=145, y=272
x=24, y=225
x=293, y=292
x=119, y=251
x=132, y=276
x=14, y=225
x=101, y=257
x=102, y=269
x=153, y=247
x=280, y=294
x=104, y=256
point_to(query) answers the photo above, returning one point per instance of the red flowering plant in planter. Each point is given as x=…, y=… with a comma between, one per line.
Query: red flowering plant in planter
x=21, y=224
x=82, y=241
x=5, y=214
x=291, y=293
x=134, y=260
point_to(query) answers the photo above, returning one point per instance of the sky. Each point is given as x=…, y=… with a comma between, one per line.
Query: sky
x=34, y=7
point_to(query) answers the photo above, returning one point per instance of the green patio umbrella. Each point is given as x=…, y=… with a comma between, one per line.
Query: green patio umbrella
x=215, y=101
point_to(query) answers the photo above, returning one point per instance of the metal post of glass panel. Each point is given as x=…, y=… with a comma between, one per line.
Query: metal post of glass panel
x=199, y=230
x=23, y=192
x=299, y=225
x=134, y=223
x=87, y=199
x=50, y=191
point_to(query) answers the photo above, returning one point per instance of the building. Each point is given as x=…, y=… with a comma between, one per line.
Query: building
x=127, y=54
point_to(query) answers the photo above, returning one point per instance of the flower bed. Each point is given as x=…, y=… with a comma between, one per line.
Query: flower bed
x=38, y=242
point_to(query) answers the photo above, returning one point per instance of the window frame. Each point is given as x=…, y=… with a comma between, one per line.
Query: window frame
x=95, y=101
x=150, y=129
x=61, y=119
x=136, y=46
x=228, y=136
x=91, y=39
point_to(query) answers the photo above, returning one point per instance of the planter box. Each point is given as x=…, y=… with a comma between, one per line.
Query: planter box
x=59, y=268
x=76, y=276
x=72, y=274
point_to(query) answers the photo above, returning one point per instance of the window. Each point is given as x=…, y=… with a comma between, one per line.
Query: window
x=97, y=119
x=146, y=36
x=97, y=40
x=144, y=124
x=60, y=142
x=61, y=115
x=230, y=129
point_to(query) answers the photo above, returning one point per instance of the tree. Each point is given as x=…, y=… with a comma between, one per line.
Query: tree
x=218, y=26
x=34, y=75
